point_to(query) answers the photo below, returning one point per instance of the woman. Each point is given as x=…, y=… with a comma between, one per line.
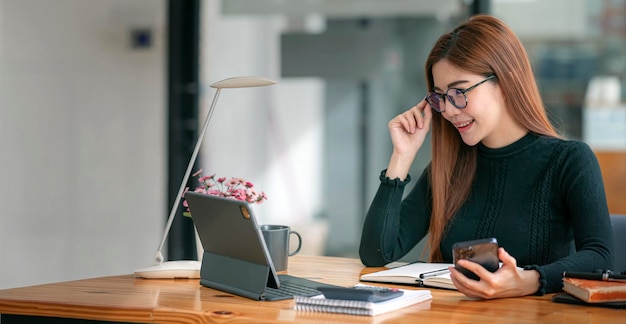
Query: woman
x=498, y=169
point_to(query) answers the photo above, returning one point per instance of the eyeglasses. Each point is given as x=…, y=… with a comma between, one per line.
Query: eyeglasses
x=455, y=96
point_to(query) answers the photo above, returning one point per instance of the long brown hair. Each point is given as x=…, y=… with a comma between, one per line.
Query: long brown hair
x=482, y=45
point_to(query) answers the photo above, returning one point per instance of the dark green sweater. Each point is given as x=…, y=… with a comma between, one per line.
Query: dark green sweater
x=543, y=199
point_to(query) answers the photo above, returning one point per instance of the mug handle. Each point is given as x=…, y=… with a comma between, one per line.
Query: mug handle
x=299, y=243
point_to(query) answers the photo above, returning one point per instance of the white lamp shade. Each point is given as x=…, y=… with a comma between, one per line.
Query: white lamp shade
x=242, y=82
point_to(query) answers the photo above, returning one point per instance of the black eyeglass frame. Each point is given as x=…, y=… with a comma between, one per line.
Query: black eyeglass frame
x=442, y=96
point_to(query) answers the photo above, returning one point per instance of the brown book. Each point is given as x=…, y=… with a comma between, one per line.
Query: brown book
x=595, y=291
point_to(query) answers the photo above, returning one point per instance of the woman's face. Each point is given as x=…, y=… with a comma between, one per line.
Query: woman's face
x=485, y=118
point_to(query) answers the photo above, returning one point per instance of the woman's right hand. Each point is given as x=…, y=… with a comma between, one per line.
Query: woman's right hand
x=408, y=132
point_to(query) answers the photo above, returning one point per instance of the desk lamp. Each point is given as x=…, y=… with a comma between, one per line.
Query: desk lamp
x=191, y=268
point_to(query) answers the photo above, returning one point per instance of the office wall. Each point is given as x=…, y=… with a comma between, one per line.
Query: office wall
x=82, y=139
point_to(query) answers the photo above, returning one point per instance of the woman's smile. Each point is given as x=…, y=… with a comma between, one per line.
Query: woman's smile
x=463, y=126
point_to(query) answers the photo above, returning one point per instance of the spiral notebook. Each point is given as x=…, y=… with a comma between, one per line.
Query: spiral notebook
x=354, y=307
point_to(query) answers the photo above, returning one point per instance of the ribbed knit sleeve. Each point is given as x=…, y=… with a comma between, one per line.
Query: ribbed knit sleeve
x=579, y=183
x=392, y=226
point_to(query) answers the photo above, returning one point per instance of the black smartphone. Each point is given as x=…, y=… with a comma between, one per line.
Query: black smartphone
x=483, y=252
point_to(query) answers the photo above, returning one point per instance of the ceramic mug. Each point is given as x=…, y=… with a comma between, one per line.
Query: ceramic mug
x=277, y=240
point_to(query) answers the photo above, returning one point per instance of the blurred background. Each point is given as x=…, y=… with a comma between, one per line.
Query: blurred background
x=101, y=102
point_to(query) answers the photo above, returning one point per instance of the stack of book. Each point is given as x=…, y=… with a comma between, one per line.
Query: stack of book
x=358, y=307
x=595, y=289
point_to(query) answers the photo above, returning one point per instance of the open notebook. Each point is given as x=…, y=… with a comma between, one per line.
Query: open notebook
x=236, y=259
x=424, y=274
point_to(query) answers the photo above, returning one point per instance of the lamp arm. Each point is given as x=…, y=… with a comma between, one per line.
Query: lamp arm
x=159, y=255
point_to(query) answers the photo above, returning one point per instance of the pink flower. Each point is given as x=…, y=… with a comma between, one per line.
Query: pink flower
x=204, y=179
x=214, y=192
x=236, y=188
x=233, y=182
x=200, y=190
x=239, y=194
x=197, y=173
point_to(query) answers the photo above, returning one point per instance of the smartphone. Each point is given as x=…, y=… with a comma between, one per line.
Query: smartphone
x=483, y=252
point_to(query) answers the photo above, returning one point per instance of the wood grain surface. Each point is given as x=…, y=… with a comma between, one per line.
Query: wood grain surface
x=129, y=299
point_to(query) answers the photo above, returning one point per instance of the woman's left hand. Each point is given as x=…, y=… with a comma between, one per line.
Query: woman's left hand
x=508, y=281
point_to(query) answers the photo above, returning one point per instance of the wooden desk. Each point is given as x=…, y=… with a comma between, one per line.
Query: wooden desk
x=127, y=299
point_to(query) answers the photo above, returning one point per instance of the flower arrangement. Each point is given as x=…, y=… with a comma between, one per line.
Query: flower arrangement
x=236, y=188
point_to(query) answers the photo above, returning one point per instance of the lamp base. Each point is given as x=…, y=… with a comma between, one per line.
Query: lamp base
x=183, y=269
